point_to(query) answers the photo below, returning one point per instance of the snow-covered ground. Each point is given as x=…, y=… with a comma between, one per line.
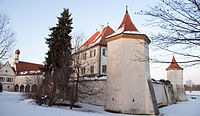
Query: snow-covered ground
x=188, y=108
x=14, y=104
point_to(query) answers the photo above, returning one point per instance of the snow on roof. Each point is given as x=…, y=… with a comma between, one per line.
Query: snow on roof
x=174, y=65
x=97, y=38
x=126, y=27
x=27, y=68
x=121, y=30
x=127, y=23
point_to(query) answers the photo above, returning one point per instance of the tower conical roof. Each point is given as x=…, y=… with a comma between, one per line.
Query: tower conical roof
x=127, y=24
x=174, y=65
x=126, y=27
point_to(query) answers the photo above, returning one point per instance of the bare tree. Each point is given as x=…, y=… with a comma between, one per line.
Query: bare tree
x=77, y=63
x=179, y=27
x=7, y=37
x=34, y=79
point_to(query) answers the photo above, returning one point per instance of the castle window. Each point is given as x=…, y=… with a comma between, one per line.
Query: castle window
x=9, y=79
x=95, y=52
x=91, y=53
x=104, y=69
x=83, y=71
x=2, y=79
x=84, y=56
x=91, y=69
x=104, y=52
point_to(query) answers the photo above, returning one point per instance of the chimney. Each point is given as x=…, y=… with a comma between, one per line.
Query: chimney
x=101, y=28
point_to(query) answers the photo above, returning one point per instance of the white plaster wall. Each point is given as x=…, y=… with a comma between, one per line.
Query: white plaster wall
x=158, y=89
x=95, y=86
x=28, y=79
x=7, y=72
x=170, y=94
x=8, y=86
x=176, y=78
x=89, y=61
x=164, y=94
x=127, y=87
x=100, y=98
x=103, y=59
x=114, y=91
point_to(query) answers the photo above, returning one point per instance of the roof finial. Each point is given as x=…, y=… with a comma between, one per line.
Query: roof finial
x=107, y=23
x=126, y=8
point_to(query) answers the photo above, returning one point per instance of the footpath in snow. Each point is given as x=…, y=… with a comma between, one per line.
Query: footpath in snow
x=14, y=104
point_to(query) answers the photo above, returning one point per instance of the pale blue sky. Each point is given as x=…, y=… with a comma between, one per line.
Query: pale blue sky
x=31, y=20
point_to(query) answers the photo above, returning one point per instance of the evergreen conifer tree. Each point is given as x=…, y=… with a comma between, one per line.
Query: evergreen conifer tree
x=59, y=59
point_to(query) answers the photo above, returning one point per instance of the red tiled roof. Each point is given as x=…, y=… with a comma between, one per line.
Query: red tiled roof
x=127, y=27
x=26, y=68
x=127, y=24
x=98, y=38
x=174, y=65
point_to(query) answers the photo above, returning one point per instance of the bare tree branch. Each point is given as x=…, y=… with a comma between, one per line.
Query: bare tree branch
x=179, y=23
x=7, y=37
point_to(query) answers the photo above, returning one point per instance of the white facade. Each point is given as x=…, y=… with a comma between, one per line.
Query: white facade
x=164, y=93
x=7, y=77
x=128, y=79
x=27, y=83
x=175, y=76
x=22, y=77
x=95, y=57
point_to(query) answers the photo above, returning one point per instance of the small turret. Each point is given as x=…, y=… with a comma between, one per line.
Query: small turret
x=128, y=85
x=17, y=51
x=16, y=60
x=175, y=76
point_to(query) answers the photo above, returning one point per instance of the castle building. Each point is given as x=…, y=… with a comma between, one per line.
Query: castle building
x=175, y=76
x=122, y=57
x=7, y=77
x=22, y=77
x=115, y=62
x=92, y=55
x=129, y=87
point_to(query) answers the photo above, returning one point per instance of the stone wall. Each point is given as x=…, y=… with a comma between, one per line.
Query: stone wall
x=164, y=93
x=93, y=92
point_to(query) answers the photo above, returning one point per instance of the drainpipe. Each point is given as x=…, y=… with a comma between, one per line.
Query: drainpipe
x=99, y=60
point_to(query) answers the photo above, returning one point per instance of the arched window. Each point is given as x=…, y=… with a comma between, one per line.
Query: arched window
x=22, y=88
x=16, y=89
x=27, y=88
x=34, y=88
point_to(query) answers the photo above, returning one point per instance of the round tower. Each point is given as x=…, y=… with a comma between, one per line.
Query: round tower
x=175, y=76
x=128, y=87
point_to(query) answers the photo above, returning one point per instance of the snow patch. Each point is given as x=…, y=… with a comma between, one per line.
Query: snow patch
x=121, y=30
